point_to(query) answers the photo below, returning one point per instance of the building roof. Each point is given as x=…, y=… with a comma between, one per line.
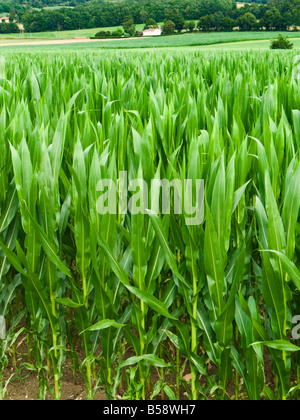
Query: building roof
x=152, y=30
x=6, y=18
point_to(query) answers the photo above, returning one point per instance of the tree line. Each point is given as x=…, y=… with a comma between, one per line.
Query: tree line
x=9, y=28
x=106, y=14
x=23, y=5
x=208, y=15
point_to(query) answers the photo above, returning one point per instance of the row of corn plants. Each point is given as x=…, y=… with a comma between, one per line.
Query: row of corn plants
x=143, y=305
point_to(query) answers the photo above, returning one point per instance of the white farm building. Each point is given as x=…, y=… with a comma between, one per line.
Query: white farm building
x=152, y=31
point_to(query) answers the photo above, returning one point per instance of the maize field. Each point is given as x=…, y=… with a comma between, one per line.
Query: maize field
x=142, y=305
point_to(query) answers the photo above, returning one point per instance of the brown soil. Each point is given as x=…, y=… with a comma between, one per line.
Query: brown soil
x=24, y=385
x=27, y=389
x=61, y=41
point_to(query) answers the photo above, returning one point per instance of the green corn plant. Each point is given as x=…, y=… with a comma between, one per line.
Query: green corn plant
x=147, y=296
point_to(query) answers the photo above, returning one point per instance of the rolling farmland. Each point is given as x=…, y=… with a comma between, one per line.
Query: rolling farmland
x=172, y=41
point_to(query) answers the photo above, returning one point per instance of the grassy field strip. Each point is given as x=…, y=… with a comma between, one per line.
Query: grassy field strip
x=245, y=45
x=64, y=34
x=95, y=45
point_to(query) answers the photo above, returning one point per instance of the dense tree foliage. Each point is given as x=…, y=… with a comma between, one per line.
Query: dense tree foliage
x=209, y=15
x=8, y=28
x=6, y=5
x=103, y=14
x=169, y=27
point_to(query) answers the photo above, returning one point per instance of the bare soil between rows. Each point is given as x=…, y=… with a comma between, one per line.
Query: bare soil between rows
x=73, y=389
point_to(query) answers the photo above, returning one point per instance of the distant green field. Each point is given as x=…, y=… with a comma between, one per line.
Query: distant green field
x=236, y=40
x=245, y=45
x=197, y=39
x=60, y=34
x=58, y=7
x=53, y=8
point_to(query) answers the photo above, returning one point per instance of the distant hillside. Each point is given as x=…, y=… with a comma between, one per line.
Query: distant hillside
x=7, y=5
x=53, y=15
x=38, y=4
